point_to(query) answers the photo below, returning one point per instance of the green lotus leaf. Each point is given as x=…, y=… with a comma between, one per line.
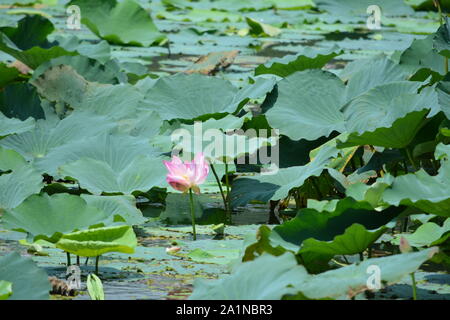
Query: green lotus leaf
x=308, y=58
x=125, y=23
x=22, y=182
x=270, y=277
x=5, y=289
x=90, y=69
x=370, y=193
x=48, y=217
x=140, y=174
x=184, y=96
x=346, y=282
x=49, y=134
x=34, y=56
x=120, y=208
x=428, y=234
x=29, y=282
x=277, y=186
x=265, y=278
x=8, y=75
x=260, y=29
x=11, y=125
x=355, y=239
x=443, y=91
x=423, y=191
x=421, y=54
x=308, y=105
x=217, y=256
x=325, y=225
x=365, y=74
x=442, y=39
x=64, y=84
x=381, y=106
x=100, y=51
x=10, y=160
x=98, y=241
x=116, y=150
x=20, y=100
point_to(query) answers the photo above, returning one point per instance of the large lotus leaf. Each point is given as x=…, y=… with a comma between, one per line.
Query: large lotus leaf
x=265, y=278
x=10, y=160
x=399, y=135
x=8, y=74
x=183, y=96
x=365, y=74
x=48, y=217
x=277, y=186
x=442, y=39
x=29, y=282
x=308, y=105
x=11, y=125
x=90, y=69
x=21, y=101
x=325, y=225
x=308, y=58
x=420, y=190
x=427, y=234
x=346, y=282
x=421, y=54
x=359, y=7
x=64, y=84
x=219, y=147
x=125, y=22
x=100, y=51
x=141, y=173
x=120, y=208
x=49, y=134
x=382, y=105
x=21, y=183
x=5, y=289
x=98, y=241
x=33, y=57
x=370, y=193
x=116, y=150
x=354, y=240
x=31, y=31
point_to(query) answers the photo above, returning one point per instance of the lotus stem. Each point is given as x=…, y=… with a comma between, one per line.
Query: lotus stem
x=86, y=262
x=97, y=259
x=410, y=158
x=68, y=259
x=219, y=183
x=78, y=260
x=413, y=278
x=191, y=200
x=361, y=256
x=228, y=193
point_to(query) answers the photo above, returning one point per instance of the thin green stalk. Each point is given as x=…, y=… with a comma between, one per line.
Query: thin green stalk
x=78, y=260
x=97, y=258
x=228, y=193
x=68, y=259
x=413, y=278
x=219, y=183
x=191, y=200
x=361, y=256
x=86, y=262
x=410, y=158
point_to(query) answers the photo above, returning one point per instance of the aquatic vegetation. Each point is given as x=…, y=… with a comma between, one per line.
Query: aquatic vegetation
x=325, y=125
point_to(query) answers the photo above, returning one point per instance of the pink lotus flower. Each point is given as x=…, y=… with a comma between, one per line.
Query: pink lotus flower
x=187, y=175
